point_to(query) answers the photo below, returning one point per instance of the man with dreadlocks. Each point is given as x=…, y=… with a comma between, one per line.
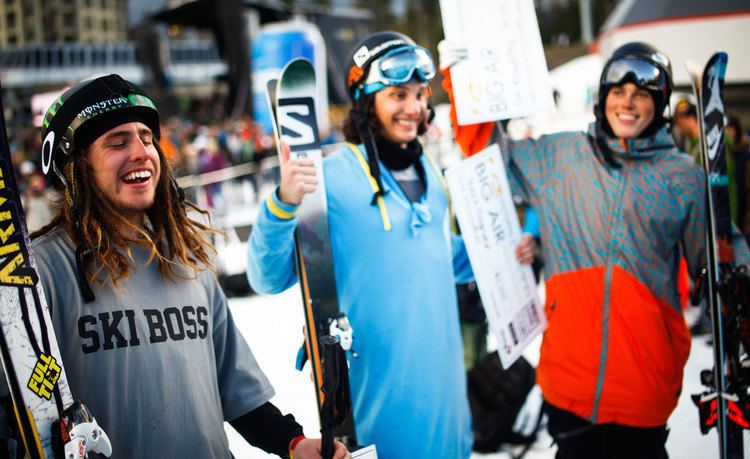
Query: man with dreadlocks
x=145, y=332
x=395, y=268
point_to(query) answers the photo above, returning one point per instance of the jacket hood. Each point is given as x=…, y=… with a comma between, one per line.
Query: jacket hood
x=638, y=148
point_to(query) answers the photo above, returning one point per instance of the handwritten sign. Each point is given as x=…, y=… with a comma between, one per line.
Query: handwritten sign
x=505, y=74
x=489, y=224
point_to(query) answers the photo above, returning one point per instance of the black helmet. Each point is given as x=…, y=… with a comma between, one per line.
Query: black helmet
x=400, y=60
x=646, y=67
x=88, y=110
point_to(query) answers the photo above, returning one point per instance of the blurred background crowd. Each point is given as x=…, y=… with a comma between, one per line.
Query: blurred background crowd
x=206, y=63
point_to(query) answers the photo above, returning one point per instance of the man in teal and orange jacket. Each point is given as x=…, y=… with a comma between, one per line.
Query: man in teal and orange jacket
x=619, y=206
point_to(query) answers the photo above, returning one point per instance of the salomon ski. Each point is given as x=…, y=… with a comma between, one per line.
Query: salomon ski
x=328, y=333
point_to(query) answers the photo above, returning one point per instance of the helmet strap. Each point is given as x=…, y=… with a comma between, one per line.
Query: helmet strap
x=368, y=140
x=82, y=250
x=667, y=114
x=60, y=175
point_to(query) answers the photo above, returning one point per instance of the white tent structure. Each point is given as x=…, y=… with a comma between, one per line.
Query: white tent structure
x=684, y=30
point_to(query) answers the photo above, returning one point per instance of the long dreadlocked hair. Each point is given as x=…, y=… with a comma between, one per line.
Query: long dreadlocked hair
x=174, y=240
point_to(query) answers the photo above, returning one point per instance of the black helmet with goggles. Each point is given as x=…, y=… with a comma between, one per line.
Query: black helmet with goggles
x=386, y=59
x=646, y=67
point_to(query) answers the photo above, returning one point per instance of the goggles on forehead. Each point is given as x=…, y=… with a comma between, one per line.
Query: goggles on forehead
x=399, y=66
x=644, y=74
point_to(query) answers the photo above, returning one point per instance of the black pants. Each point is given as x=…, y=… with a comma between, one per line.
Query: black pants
x=577, y=438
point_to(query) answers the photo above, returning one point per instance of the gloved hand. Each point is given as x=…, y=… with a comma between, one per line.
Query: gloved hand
x=450, y=53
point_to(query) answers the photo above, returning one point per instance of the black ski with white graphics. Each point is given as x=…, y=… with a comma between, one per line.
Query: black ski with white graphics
x=726, y=404
x=328, y=333
x=50, y=422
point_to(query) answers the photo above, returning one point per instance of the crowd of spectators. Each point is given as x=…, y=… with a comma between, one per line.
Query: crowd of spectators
x=196, y=147
x=191, y=148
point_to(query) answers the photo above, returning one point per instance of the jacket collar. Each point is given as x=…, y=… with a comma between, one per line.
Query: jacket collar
x=639, y=148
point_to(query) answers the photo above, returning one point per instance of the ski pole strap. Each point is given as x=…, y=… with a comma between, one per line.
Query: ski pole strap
x=342, y=396
x=82, y=250
x=375, y=187
x=330, y=370
x=335, y=388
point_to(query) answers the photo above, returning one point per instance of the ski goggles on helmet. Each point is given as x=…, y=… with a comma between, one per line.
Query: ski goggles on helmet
x=399, y=66
x=642, y=73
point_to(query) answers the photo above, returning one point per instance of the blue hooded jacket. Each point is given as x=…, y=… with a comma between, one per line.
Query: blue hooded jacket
x=396, y=266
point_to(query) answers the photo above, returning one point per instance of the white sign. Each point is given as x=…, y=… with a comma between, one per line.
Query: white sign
x=487, y=216
x=505, y=74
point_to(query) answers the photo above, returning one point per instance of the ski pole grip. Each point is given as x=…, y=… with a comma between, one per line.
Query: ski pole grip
x=330, y=369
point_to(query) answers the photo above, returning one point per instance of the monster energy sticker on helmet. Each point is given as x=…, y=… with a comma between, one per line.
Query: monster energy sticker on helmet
x=109, y=105
x=52, y=111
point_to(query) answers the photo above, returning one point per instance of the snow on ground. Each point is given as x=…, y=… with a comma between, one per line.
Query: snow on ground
x=272, y=326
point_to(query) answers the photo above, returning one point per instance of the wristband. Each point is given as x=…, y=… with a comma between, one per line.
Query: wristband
x=293, y=444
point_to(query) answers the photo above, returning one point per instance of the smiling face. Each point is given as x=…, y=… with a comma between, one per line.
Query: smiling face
x=629, y=110
x=126, y=168
x=401, y=110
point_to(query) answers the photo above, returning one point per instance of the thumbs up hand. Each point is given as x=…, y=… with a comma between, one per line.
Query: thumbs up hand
x=298, y=177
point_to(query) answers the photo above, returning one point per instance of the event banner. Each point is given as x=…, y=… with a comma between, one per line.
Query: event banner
x=486, y=214
x=505, y=74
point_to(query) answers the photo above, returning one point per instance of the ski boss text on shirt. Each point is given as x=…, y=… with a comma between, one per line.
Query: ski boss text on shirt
x=118, y=329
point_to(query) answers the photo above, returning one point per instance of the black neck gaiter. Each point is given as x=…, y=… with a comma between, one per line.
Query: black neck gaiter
x=396, y=158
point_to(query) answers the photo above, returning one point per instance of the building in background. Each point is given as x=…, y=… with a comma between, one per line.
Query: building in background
x=34, y=22
x=180, y=51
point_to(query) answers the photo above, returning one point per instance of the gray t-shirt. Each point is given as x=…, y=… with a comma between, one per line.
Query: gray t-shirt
x=410, y=182
x=159, y=363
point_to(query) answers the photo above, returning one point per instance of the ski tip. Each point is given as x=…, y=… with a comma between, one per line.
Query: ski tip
x=299, y=72
x=693, y=68
x=299, y=64
x=718, y=61
x=719, y=55
x=271, y=85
